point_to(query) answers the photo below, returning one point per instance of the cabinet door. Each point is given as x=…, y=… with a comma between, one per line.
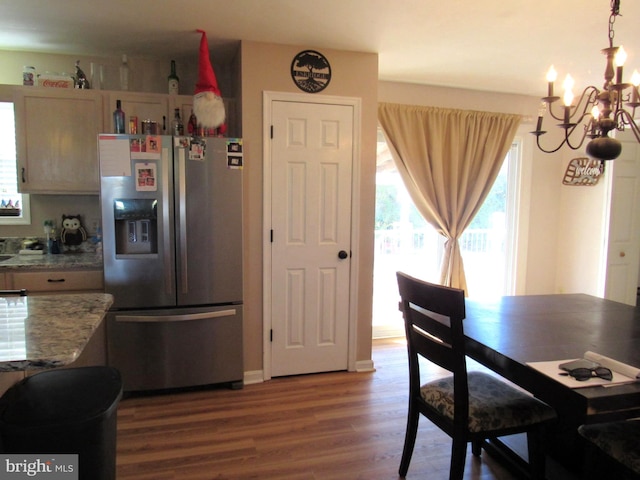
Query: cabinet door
x=56, y=139
x=145, y=106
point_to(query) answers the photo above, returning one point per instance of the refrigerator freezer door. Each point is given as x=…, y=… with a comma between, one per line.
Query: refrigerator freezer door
x=175, y=348
x=208, y=226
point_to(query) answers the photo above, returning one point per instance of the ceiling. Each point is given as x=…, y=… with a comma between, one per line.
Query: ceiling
x=492, y=45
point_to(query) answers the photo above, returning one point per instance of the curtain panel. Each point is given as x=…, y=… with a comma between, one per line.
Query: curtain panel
x=448, y=160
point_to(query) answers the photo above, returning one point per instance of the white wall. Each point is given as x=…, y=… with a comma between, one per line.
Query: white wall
x=561, y=227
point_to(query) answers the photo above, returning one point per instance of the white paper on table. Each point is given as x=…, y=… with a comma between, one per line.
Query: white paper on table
x=613, y=365
x=553, y=370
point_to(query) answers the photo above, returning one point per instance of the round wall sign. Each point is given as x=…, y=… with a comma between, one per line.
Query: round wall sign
x=310, y=71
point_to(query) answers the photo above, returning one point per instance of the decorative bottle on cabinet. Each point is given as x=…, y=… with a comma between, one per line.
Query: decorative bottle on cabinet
x=174, y=81
x=124, y=74
x=178, y=126
x=192, y=126
x=118, y=118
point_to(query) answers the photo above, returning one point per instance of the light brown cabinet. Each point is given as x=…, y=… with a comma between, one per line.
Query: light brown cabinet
x=56, y=140
x=57, y=130
x=48, y=281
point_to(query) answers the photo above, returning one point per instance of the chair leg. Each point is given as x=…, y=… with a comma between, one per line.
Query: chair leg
x=458, y=457
x=409, y=439
x=536, y=453
x=476, y=447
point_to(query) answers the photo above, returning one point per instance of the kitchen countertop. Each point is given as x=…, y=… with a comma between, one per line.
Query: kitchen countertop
x=46, y=331
x=63, y=261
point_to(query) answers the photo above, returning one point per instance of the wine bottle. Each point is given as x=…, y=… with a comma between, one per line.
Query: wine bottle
x=124, y=73
x=118, y=118
x=192, y=126
x=178, y=126
x=174, y=81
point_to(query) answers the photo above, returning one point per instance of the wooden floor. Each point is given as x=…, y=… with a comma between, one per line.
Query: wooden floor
x=324, y=426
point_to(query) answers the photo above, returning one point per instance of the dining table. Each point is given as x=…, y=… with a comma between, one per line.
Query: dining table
x=510, y=334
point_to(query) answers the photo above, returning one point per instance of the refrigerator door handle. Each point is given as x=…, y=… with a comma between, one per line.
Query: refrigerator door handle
x=175, y=318
x=168, y=281
x=182, y=202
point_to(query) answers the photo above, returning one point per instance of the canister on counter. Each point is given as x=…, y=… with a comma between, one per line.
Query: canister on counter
x=133, y=125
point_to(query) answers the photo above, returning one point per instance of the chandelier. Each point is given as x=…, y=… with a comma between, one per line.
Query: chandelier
x=598, y=111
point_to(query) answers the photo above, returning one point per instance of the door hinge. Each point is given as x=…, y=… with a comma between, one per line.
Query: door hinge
x=271, y=335
x=271, y=236
x=271, y=132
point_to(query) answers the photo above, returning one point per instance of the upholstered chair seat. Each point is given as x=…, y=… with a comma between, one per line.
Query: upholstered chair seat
x=619, y=441
x=493, y=404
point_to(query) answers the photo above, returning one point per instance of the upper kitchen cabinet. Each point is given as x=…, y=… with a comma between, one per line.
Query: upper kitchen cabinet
x=160, y=108
x=145, y=106
x=56, y=140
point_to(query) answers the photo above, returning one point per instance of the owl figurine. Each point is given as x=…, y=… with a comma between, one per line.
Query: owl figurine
x=73, y=233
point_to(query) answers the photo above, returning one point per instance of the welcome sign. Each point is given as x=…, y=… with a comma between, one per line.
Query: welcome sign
x=583, y=171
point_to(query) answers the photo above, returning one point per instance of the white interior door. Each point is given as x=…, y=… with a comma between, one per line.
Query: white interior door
x=623, y=252
x=311, y=182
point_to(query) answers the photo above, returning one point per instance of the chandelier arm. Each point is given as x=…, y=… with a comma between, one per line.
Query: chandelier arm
x=549, y=151
x=560, y=117
x=625, y=119
x=572, y=129
x=587, y=99
x=590, y=98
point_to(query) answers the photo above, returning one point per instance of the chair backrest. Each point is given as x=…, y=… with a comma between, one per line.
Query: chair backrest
x=433, y=316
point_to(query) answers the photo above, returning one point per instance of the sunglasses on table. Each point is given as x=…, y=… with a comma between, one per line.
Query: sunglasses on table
x=584, y=374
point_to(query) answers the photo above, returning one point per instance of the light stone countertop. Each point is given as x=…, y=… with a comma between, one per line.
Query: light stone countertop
x=45, y=331
x=63, y=261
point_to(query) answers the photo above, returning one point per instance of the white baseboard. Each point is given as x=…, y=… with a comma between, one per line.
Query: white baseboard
x=365, y=366
x=253, y=376
x=257, y=376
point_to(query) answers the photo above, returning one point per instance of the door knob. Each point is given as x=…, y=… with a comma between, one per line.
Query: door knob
x=342, y=254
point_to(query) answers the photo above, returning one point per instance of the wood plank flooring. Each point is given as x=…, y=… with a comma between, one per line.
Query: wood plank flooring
x=325, y=426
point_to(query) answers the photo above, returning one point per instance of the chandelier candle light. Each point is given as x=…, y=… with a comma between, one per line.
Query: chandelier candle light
x=598, y=111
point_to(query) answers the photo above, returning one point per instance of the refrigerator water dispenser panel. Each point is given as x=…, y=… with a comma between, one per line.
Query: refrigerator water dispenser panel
x=136, y=226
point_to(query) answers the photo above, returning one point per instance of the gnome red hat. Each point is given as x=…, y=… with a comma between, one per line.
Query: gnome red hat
x=207, y=101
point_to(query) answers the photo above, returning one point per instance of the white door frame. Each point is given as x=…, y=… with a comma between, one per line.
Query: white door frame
x=268, y=98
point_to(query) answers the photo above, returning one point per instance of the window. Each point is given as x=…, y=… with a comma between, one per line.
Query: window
x=14, y=207
x=405, y=241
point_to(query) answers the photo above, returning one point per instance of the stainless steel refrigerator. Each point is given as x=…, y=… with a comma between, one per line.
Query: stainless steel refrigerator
x=172, y=248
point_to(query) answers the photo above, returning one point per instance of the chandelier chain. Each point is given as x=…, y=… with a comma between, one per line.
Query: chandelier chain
x=615, y=11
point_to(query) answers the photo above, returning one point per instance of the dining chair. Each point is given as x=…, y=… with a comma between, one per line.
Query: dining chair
x=468, y=406
x=612, y=450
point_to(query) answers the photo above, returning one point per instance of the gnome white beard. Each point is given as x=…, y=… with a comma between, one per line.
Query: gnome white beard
x=209, y=109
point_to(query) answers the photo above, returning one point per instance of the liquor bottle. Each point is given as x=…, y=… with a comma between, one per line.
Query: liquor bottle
x=174, y=81
x=177, y=125
x=192, y=126
x=118, y=118
x=124, y=73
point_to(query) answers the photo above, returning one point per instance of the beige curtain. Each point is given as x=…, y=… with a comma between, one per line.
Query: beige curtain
x=448, y=160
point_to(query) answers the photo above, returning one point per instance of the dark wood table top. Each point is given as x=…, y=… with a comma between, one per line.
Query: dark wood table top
x=507, y=333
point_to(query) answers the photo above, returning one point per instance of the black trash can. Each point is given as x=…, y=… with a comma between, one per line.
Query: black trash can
x=70, y=410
